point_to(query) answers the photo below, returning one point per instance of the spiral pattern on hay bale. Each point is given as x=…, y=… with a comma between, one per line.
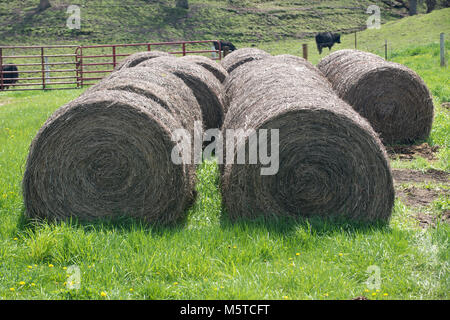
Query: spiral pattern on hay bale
x=105, y=155
x=392, y=97
x=331, y=162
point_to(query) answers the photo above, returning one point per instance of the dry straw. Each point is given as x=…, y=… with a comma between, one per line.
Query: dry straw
x=159, y=85
x=136, y=58
x=331, y=162
x=242, y=56
x=393, y=98
x=107, y=154
x=216, y=69
x=206, y=88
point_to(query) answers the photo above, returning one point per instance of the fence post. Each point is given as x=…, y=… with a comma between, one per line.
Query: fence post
x=1, y=69
x=114, y=56
x=43, y=67
x=220, y=50
x=81, y=67
x=149, y=48
x=385, y=50
x=184, y=48
x=442, y=40
x=305, y=51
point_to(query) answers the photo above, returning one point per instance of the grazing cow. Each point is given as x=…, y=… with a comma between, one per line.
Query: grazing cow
x=327, y=39
x=224, y=44
x=10, y=77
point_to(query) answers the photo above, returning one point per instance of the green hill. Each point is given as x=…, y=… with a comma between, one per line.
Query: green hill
x=119, y=21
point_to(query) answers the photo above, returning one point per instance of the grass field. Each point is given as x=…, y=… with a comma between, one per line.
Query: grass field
x=209, y=257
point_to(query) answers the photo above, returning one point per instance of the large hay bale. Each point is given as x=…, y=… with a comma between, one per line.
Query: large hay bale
x=105, y=155
x=331, y=162
x=138, y=57
x=242, y=56
x=216, y=69
x=159, y=85
x=206, y=88
x=392, y=97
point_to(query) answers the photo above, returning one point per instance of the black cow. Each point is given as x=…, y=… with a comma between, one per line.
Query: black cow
x=223, y=44
x=327, y=39
x=10, y=77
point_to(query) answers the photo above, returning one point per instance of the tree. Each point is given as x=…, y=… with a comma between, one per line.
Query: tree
x=431, y=4
x=43, y=5
x=412, y=7
x=182, y=4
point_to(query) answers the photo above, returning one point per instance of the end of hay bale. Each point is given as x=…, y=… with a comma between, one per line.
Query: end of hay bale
x=392, y=97
x=107, y=155
x=331, y=162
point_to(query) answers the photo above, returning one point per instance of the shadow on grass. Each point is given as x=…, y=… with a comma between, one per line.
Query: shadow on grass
x=315, y=225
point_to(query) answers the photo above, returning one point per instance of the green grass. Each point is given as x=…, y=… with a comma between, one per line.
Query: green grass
x=208, y=257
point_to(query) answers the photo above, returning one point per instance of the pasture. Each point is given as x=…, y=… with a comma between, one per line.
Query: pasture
x=208, y=256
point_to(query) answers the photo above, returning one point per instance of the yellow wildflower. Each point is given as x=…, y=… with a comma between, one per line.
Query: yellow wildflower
x=103, y=294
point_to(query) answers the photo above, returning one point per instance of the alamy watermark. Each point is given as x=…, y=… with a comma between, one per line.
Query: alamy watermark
x=74, y=20
x=374, y=21
x=188, y=149
x=374, y=280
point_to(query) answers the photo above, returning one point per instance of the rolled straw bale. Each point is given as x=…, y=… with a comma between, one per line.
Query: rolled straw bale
x=138, y=57
x=331, y=162
x=206, y=88
x=159, y=85
x=393, y=98
x=104, y=155
x=295, y=60
x=216, y=69
x=242, y=56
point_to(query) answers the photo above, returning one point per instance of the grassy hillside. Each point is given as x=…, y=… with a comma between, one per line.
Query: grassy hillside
x=117, y=21
x=400, y=34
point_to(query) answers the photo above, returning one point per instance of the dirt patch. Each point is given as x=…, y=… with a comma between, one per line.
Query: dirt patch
x=427, y=221
x=418, y=197
x=432, y=175
x=423, y=150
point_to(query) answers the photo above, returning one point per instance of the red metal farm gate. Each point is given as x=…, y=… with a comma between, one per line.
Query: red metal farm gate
x=72, y=66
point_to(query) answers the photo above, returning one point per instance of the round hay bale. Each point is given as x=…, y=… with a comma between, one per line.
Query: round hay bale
x=236, y=89
x=295, y=60
x=216, y=69
x=241, y=57
x=206, y=88
x=331, y=162
x=107, y=155
x=392, y=97
x=161, y=86
x=136, y=58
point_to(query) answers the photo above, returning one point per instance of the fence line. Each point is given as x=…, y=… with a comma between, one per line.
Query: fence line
x=77, y=66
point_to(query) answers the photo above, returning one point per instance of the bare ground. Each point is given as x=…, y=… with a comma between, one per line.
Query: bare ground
x=404, y=152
